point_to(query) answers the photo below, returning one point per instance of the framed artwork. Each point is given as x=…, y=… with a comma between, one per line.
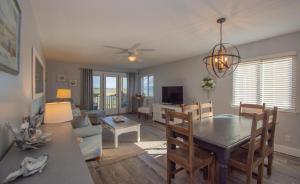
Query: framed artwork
x=38, y=75
x=73, y=83
x=61, y=78
x=10, y=26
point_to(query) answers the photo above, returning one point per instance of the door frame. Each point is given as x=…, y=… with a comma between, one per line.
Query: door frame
x=119, y=75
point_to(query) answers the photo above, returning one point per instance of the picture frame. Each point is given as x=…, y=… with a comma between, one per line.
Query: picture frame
x=38, y=75
x=61, y=78
x=10, y=34
x=73, y=83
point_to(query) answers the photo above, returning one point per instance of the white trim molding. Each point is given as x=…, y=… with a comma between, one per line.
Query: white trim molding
x=287, y=150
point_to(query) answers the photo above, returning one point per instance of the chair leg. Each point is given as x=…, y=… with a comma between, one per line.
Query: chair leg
x=270, y=164
x=97, y=158
x=260, y=173
x=211, y=173
x=191, y=178
x=205, y=172
x=169, y=172
x=249, y=176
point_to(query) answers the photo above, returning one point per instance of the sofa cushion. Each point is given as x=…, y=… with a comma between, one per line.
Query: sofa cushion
x=91, y=147
x=88, y=131
x=80, y=121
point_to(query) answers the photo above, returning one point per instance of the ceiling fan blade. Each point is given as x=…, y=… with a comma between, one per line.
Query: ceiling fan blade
x=135, y=46
x=112, y=47
x=122, y=52
x=139, y=60
x=143, y=50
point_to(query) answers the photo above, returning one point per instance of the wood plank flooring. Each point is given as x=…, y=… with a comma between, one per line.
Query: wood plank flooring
x=151, y=169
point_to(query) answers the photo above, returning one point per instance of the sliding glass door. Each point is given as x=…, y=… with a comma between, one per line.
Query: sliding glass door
x=110, y=92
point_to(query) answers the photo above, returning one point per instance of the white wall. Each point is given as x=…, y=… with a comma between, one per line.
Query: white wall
x=190, y=72
x=16, y=91
x=72, y=72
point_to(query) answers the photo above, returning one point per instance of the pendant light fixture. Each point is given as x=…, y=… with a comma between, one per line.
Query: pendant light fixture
x=223, y=59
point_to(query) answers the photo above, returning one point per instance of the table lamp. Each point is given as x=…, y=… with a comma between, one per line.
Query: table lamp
x=63, y=93
x=58, y=112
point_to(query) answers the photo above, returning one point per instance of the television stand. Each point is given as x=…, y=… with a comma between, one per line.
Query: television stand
x=159, y=112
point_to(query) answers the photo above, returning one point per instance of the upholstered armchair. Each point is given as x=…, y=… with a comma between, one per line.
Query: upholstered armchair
x=90, y=141
x=146, y=109
x=88, y=132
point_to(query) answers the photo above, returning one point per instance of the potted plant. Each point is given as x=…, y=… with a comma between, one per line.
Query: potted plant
x=208, y=84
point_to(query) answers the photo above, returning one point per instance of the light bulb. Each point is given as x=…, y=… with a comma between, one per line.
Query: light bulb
x=131, y=58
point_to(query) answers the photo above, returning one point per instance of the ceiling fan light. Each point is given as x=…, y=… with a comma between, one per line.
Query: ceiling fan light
x=132, y=58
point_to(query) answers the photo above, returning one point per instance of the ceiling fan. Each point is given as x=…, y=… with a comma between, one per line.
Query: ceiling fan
x=132, y=52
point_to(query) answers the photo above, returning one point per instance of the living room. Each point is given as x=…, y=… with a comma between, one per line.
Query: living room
x=96, y=91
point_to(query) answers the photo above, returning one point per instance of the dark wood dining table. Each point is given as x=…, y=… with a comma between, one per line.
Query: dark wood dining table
x=222, y=134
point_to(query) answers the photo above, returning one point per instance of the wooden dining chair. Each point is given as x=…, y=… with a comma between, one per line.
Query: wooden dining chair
x=194, y=109
x=248, y=110
x=247, y=160
x=269, y=152
x=184, y=153
x=206, y=110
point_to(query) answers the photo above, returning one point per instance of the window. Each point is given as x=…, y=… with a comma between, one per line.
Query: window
x=147, y=85
x=270, y=81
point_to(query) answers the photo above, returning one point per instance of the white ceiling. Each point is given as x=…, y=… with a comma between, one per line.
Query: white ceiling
x=77, y=30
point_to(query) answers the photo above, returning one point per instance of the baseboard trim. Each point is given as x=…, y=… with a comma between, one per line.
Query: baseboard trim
x=287, y=150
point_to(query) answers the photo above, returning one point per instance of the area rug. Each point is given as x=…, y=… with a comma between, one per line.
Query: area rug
x=152, y=139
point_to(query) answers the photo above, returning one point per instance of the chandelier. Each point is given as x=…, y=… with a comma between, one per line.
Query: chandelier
x=223, y=59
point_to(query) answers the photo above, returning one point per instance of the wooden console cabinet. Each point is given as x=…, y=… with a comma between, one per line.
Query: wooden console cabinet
x=159, y=113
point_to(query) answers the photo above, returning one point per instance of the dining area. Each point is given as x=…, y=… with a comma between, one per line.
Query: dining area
x=219, y=144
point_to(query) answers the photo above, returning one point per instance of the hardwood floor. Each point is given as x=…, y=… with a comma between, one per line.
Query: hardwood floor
x=150, y=168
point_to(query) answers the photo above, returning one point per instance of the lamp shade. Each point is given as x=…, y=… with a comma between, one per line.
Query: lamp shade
x=63, y=93
x=58, y=112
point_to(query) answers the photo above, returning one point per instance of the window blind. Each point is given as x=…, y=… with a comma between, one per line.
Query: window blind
x=270, y=81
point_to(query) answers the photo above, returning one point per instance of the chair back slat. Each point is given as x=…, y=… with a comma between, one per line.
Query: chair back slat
x=248, y=110
x=194, y=109
x=184, y=129
x=206, y=110
x=177, y=142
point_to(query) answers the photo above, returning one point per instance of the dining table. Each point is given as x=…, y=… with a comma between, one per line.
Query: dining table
x=222, y=134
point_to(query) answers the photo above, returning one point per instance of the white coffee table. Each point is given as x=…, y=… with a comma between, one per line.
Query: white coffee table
x=118, y=128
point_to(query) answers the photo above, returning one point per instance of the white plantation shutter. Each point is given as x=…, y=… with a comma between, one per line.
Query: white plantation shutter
x=278, y=83
x=269, y=81
x=245, y=83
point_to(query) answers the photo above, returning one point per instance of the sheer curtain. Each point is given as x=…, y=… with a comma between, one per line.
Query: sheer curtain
x=87, y=88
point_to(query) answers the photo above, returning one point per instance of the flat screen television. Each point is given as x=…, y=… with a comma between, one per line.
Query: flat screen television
x=172, y=94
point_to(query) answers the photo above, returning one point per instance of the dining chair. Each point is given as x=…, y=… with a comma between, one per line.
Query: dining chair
x=206, y=110
x=247, y=160
x=194, y=109
x=184, y=153
x=269, y=151
x=247, y=110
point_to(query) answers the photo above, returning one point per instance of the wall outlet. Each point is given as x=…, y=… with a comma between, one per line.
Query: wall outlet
x=287, y=138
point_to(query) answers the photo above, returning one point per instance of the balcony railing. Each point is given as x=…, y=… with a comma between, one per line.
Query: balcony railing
x=111, y=101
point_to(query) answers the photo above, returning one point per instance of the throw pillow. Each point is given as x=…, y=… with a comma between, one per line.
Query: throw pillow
x=80, y=121
x=76, y=112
